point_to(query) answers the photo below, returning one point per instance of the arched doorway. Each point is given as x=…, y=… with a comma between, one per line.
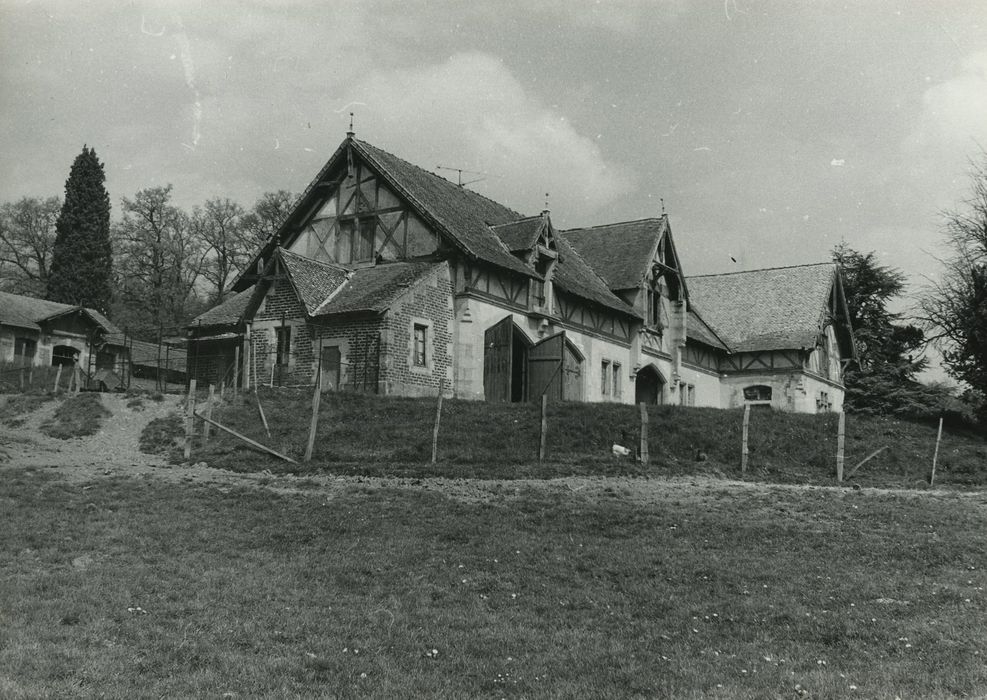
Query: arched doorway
x=649, y=386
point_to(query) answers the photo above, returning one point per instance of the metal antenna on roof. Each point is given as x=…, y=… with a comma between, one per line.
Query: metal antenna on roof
x=460, y=172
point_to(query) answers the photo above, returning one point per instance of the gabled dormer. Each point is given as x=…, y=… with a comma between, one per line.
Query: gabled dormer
x=533, y=241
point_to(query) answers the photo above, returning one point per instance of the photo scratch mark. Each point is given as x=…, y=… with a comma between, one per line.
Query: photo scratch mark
x=145, y=30
x=347, y=106
x=188, y=66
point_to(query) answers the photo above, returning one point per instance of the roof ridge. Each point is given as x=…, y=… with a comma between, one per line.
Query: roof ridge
x=615, y=223
x=762, y=269
x=533, y=217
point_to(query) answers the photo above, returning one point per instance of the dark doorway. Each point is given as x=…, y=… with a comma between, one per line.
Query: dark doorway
x=64, y=355
x=331, y=365
x=648, y=386
x=505, y=362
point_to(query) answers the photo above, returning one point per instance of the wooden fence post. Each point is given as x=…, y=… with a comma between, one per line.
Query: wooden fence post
x=840, y=443
x=935, y=455
x=438, y=419
x=78, y=379
x=236, y=367
x=544, y=427
x=58, y=378
x=22, y=379
x=189, y=419
x=314, y=425
x=743, y=448
x=644, y=456
x=205, y=426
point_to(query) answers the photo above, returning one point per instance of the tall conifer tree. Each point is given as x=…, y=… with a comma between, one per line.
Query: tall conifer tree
x=82, y=259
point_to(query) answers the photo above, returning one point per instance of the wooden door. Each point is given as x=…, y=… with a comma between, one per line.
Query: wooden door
x=545, y=368
x=498, y=341
x=331, y=366
x=572, y=369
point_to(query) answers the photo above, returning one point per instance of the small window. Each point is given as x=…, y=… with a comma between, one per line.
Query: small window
x=283, y=344
x=605, y=378
x=654, y=308
x=420, y=338
x=616, y=380
x=757, y=393
x=25, y=347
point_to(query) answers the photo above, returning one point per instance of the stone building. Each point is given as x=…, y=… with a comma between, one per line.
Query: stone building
x=387, y=278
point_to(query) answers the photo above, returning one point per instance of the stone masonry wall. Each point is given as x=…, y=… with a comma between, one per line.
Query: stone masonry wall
x=428, y=303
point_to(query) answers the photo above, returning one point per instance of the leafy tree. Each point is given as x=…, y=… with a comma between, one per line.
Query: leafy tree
x=160, y=264
x=889, y=351
x=27, y=236
x=82, y=258
x=956, y=306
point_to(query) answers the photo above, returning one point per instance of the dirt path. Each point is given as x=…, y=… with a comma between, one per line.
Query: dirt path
x=115, y=451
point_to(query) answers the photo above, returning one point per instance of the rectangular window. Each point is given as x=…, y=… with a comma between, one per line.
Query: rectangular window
x=616, y=380
x=283, y=344
x=605, y=378
x=25, y=347
x=420, y=336
x=363, y=247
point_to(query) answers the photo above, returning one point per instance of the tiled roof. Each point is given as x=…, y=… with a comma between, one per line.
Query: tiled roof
x=521, y=234
x=462, y=214
x=699, y=330
x=373, y=289
x=229, y=313
x=314, y=281
x=620, y=253
x=28, y=312
x=573, y=275
x=776, y=308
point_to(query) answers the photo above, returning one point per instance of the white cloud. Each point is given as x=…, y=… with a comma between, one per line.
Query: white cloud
x=472, y=113
x=954, y=114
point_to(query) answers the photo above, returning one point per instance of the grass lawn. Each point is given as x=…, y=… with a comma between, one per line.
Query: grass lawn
x=392, y=436
x=140, y=588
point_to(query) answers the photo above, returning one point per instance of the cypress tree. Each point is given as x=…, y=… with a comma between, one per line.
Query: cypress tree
x=82, y=261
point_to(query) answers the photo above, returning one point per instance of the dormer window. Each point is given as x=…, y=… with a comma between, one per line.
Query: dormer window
x=544, y=264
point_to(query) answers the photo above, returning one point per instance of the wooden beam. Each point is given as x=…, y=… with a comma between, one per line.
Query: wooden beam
x=247, y=440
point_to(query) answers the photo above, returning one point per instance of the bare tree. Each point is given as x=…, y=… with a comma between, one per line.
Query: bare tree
x=267, y=215
x=160, y=262
x=219, y=224
x=27, y=235
x=955, y=307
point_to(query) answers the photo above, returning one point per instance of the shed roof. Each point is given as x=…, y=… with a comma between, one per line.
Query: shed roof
x=229, y=313
x=29, y=312
x=774, y=308
x=620, y=253
x=314, y=281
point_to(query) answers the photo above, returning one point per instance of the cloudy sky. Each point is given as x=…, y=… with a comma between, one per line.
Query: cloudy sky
x=771, y=130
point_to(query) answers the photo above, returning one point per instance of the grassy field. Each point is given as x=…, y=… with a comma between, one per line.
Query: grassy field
x=391, y=436
x=141, y=588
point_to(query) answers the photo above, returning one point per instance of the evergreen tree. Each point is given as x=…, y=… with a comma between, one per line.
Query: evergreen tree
x=82, y=260
x=889, y=352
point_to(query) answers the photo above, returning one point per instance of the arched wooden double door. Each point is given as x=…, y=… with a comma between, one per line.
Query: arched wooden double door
x=515, y=369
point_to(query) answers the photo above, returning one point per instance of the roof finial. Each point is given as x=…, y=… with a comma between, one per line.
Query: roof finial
x=546, y=202
x=350, y=134
x=662, y=200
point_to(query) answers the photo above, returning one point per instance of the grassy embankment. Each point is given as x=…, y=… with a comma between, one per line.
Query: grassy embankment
x=77, y=415
x=371, y=435
x=145, y=588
